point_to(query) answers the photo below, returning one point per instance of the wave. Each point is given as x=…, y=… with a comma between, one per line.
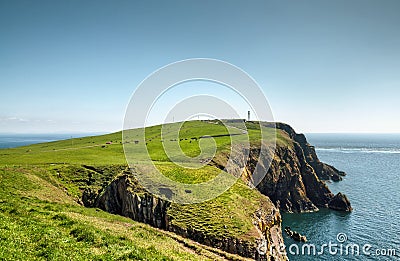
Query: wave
x=360, y=150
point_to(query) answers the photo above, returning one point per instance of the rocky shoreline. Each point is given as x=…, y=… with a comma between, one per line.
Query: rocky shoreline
x=294, y=182
x=295, y=179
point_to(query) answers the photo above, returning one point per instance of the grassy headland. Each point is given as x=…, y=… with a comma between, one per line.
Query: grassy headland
x=42, y=184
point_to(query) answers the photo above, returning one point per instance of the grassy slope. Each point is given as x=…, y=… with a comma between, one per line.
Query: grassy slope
x=40, y=184
x=95, y=151
x=38, y=220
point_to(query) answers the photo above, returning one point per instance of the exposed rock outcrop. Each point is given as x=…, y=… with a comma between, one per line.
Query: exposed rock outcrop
x=294, y=177
x=270, y=243
x=295, y=235
x=124, y=196
x=290, y=182
x=340, y=202
x=322, y=170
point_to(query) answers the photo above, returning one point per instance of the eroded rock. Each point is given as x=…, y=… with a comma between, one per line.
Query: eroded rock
x=124, y=196
x=340, y=202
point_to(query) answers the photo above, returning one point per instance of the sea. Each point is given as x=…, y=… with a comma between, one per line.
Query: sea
x=16, y=140
x=372, y=184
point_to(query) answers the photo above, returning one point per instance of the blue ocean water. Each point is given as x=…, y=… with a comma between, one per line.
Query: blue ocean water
x=372, y=164
x=16, y=140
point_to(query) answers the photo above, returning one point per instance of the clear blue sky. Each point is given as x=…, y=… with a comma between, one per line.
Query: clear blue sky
x=325, y=66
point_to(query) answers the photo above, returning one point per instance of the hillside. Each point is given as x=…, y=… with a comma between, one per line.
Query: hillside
x=44, y=188
x=39, y=220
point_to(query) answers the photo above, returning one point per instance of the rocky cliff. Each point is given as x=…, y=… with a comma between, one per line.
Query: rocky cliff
x=322, y=170
x=124, y=196
x=294, y=176
x=294, y=180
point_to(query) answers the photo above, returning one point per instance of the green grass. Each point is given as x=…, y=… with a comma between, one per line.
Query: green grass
x=36, y=225
x=95, y=151
x=229, y=215
x=41, y=184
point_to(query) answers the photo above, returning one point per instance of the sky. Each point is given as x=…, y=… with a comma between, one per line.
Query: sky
x=324, y=66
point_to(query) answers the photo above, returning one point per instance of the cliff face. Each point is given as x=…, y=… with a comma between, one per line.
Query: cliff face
x=294, y=180
x=322, y=170
x=125, y=197
x=290, y=182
